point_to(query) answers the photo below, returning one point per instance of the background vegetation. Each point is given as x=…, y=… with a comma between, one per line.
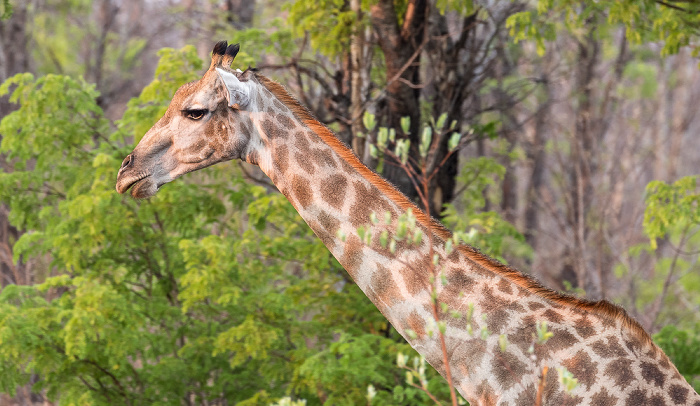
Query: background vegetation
x=580, y=167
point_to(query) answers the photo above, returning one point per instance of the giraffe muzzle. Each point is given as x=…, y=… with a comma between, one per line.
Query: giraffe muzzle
x=139, y=181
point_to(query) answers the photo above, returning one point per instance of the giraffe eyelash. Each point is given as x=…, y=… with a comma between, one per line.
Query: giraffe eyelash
x=195, y=114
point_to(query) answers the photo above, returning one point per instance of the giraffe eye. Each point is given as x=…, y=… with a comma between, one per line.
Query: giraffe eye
x=195, y=114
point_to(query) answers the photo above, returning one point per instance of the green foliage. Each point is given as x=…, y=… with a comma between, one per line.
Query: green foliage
x=566, y=379
x=483, y=229
x=5, y=10
x=683, y=348
x=672, y=209
x=329, y=23
x=672, y=215
x=275, y=39
x=643, y=78
x=644, y=20
x=48, y=135
x=56, y=26
x=463, y=7
x=543, y=334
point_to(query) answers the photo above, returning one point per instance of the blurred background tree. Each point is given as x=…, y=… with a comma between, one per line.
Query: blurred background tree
x=579, y=166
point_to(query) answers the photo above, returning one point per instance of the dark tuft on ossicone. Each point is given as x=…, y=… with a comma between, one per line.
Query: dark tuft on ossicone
x=220, y=48
x=232, y=50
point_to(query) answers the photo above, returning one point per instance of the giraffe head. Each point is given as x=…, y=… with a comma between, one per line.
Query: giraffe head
x=207, y=122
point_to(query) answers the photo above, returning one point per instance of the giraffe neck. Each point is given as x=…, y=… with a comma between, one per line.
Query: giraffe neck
x=611, y=356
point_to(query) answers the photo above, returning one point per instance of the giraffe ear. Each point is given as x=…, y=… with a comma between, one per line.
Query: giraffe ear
x=237, y=92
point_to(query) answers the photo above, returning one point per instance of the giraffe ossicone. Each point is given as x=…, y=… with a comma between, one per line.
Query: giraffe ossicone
x=608, y=352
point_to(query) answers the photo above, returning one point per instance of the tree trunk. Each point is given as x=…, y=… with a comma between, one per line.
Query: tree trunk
x=582, y=164
x=14, y=58
x=402, y=47
x=356, y=46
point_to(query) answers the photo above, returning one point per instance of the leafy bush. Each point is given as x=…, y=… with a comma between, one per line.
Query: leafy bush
x=683, y=348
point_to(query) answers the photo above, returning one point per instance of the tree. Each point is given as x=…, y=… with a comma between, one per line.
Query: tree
x=124, y=305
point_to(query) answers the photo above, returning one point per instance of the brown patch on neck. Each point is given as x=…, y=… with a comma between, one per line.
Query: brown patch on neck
x=602, y=308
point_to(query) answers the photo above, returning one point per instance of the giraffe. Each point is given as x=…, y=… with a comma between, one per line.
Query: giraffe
x=229, y=114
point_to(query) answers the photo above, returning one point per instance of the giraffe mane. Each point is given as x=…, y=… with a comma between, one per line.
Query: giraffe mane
x=602, y=308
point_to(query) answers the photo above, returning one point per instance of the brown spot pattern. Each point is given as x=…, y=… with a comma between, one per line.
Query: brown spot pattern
x=321, y=233
x=367, y=199
x=415, y=276
x=561, y=339
x=328, y=222
x=458, y=281
x=664, y=362
x=490, y=301
x=523, y=336
x=504, y=286
x=633, y=345
x=535, y=305
x=497, y=320
x=527, y=397
x=522, y=292
x=620, y=371
x=498, y=310
x=417, y=324
x=656, y=400
x=197, y=146
x=552, y=316
x=271, y=129
x=678, y=394
x=486, y=394
x=281, y=158
x=612, y=349
x=603, y=398
x=301, y=191
x=285, y=121
x=383, y=290
x=333, y=189
x=244, y=128
x=507, y=368
x=652, y=374
x=352, y=255
x=553, y=395
x=605, y=321
x=304, y=163
x=636, y=398
x=278, y=104
x=469, y=352
x=583, y=368
x=301, y=142
x=321, y=157
x=584, y=327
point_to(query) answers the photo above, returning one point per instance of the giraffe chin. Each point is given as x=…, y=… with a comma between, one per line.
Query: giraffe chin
x=144, y=188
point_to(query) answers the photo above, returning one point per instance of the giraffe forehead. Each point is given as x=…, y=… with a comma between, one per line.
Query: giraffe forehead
x=194, y=96
x=185, y=91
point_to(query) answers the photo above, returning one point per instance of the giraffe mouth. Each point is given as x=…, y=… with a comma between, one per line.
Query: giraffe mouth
x=142, y=185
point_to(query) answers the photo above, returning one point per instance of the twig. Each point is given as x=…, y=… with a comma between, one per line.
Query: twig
x=540, y=386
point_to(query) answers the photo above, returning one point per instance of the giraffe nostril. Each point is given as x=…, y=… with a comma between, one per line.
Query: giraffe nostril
x=127, y=161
